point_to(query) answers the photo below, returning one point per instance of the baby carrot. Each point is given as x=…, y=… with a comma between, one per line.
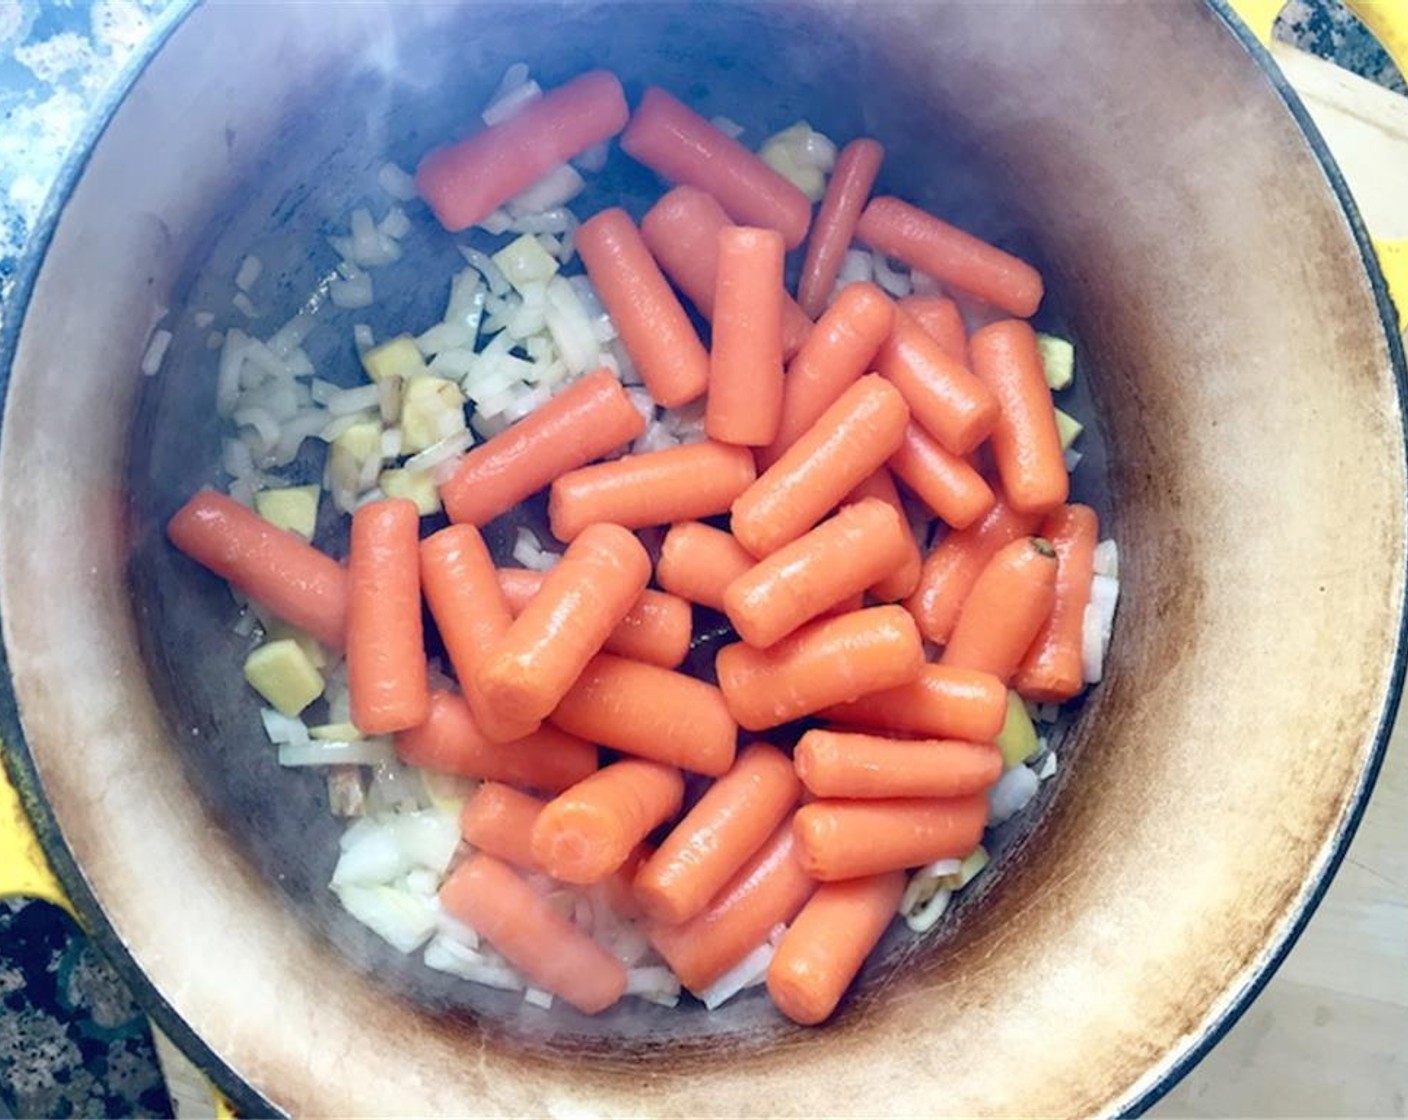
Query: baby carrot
x=583, y=598
x=837, y=351
x=745, y=363
x=498, y=819
x=902, y=581
x=826, y=944
x=682, y=233
x=955, y=563
x=698, y=561
x=847, y=764
x=840, y=558
x=487, y=895
x=656, y=629
x=848, y=442
x=827, y=662
x=1009, y=603
x=677, y=484
x=942, y=703
x=1025, y=443
x=585, y=833
x=730, y=822
x=767, y=890
x=683, y=147
x=273, y=566
x=464, y=182
x=386, y=667
x=846, y=194
x=945, y=482
x=450, y=742
x=583, y=422
x=940, y=316
x=848, y=839
x=652, y=323
x=945, y=399
x=1052, y=670
x=946, y=253
x=651, y=712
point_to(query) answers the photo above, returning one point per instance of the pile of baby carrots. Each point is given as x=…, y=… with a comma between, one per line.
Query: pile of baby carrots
x=787, y=519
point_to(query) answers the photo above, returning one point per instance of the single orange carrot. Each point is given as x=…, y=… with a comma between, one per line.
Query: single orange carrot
x=840, y=558
x=941, y=703
x=899, y=584
x=465, y=181
x=828, y=662
x=585, y=833
x=651, y=712
x=946, y=253
x=945, y=482
x=846, y=195
x=498, y=819
x=583, y=598
x=682, y=232
x=450, y=742
x=729, y=823
x=273, y=566
x=745, y=364
x=837, y=351
x=848, y=839
x=681, y=146
x=698, y=561
x=940, y=316
x=657, y=629
x=847, y=764
x=487, y=895
x=677, y=484
x=1052, y=670
x=955, y=562
x=848, y=442
x=826, y=944
x=766, y=891
x=583, y=422
x=386, y=667
x=1010, y=601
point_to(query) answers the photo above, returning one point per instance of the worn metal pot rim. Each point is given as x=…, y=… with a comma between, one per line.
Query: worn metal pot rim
x=20, y=764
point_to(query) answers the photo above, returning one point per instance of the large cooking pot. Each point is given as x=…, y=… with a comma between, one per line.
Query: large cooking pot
x=1246, y=388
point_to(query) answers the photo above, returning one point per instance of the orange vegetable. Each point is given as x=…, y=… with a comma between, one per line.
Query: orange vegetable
x=273, y=566
x=848, y=839
x=386, y=667
x=946, y=483
x=827, y=662
x=947, y=401
x=583, y=422
x=585, y=833
x=846, y=194
x=678, y=484
x=1009, y=603
x=522, y=925
x=651, y=712
x=498, y=819
x=940, y=317
x=745, y=364
x=729, y=823
x=464, y=182
x=698, y=561
x=904, y=579
x=847, y=764
x=848, y=442
x=941, y=703
x=1052, y=670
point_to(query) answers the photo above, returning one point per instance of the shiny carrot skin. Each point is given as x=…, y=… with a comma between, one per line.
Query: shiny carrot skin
x=826, y=944
x=304, y=587
x=487, y=895
x=498, y=819
x=386, y=666
x=901, y=583
x=585, y=833
x=945, y=482
x=697, y=562
x=849, y=839
x=450, y=742
x=835, y=226
x=1052, y=670
x=863, y=428
x=652, y=323
x=1025, y=443
x=950, y=255
x=588, y=419
x=465, y=181
x=681, y=146
x=840, y=558
x=650, y=712
x=941, y=703
x=677, y=484
x=831, y=661
x=947, y=401
x=855, y=765
x=940, y=316
x=729, y=823
x=745, y=362
x=1010, y=602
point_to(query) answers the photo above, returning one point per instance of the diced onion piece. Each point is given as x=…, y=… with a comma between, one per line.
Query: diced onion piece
x=728, y=126
x=654, y=984
x=352, y=293
x=446, y=955
x=570, y=328
x=1107, y=559
x=394, y=224
x=557, y=187
x=894, y=281
x=1011, y=794
x=249, y=272
x=403, y=919
x=283, y=729
x=512, y=102
x=594, y=158
x=396, y=182
x=536, y=997
x=155, y=352
x=370, y=854
x=363, y=752
x=747, y=973
x=926, y=915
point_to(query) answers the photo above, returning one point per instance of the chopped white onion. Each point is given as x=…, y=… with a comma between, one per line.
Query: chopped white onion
x=202, y=319
x=283, y=729
x=396, y=182
x=291, y=335
x=370, y=854
x=352, y=293
x=155, y=353
x=446, y=955
x=1072, y=457
x=394, y=224
x=486, y=268
x=1011, y=794
x=925, y=916
x=332, y=752
x=1047, y=767
x=245, y=306
x=348, y=401
x=1107, y=559
x=512, y=102
x=856, y=266
x=570, y=327
x=654, y=984
x=747, y=973
x=894, y=281
x=536, y=997
x=729, y=127
x=249, y=272
x=593, y=159
x=403, y=919
x=452, y=447
x=558, y=187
